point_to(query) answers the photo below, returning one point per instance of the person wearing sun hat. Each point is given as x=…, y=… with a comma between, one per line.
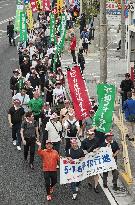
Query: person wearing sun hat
x=74, y=153
x=90, y=144
x=50, y=158
x=54, y=131
x=109, y=141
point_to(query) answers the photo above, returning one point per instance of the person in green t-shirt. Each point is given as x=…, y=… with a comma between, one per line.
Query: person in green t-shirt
x=36, y=105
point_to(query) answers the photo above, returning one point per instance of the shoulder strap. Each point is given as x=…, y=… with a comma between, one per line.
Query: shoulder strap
x=54, y=127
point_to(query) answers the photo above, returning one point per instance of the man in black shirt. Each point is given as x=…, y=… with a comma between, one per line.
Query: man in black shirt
x=126, y=86
x=90, y=144
x=115, y=149
x=25, y=67
x=74, y=153
x=35, y=81
x=10, y=32
x=15, y=115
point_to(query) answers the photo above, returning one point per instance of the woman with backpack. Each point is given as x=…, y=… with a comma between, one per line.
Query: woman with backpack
x=72, y=127
x=29, y=135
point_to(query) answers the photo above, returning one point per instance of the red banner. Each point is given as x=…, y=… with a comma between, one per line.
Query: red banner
x=33, y=6
x=46, y=5
x=79, y=94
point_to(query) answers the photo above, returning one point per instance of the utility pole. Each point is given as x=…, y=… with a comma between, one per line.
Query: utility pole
x=103, y=42
x=122, y=30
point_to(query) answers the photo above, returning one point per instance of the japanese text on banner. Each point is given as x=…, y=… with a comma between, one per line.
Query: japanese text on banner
x=91, y=164
x=106, y=98
x=59, y=6
x=23, y=27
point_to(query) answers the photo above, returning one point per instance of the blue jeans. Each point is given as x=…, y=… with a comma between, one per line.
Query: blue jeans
x=74, y=185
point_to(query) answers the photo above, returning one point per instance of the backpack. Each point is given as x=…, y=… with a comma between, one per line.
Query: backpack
x=73, y=129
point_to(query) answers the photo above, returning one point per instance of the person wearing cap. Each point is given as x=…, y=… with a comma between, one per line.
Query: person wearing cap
x=73, y=47
x=90, y=144
x=13, y=82
x=88, y=122
x=126, y=86
x=72, y=127
x=15, y=116
x=50, y=158
x=54, y=131
x=74, y=153
x=36, y=104
x=29, y=89
x=29, y=134
x=60, y=76
x=24, y=99
x=109, y=141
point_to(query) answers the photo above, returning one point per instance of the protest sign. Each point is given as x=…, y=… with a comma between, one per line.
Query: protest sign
x=33, y=6
x=62, y=32
x=30, y=20
x=78, y=93
x=46, y=5
x=106, y=98
x=52, y=27
x=23, y=27
x=19, y=8
x=92, y=164
x=59, y=6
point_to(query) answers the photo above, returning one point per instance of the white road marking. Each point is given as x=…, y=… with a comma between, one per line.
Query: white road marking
x=6, y=20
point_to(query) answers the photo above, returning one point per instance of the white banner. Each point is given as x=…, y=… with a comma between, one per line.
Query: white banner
x=92, y=164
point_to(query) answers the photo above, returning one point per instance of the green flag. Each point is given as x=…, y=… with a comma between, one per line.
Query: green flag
x=19, y=9
x=106, y=98
x=52, y=27
x=62, y=32
x=23, y=27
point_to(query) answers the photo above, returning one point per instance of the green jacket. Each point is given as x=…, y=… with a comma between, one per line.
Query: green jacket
x=36, y=106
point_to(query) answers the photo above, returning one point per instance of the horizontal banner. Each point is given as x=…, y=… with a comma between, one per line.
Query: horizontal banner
x=92, y=164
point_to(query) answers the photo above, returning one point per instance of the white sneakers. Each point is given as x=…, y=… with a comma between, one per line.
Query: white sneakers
x=74, y=196
x=18, y=148
x=14, y=142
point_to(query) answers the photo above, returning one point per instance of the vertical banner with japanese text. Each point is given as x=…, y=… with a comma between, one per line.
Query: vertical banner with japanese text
x=46, y=5
x=78, y=93
x=33, y=6
x=23, y=27
x=39, y=5
x=30, y=20
x=92, y=164
x=52, y=27
x=59, y=6
x=19, y=8
x=106, y=98
x=62, y=32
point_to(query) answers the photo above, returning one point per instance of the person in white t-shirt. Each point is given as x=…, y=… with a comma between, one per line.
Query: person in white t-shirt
x=24, y=99
x=54, y=131
x=58, y=92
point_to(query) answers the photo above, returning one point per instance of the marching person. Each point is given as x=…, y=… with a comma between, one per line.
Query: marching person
x=50, y=158
x=15, y=116
x=14, y=81
x=29, y=135
x=10, y=33
x=58, y=92
x=87, y=122
x=36, y=105
x=72, y=128
x=75, y=153
x=24, y=98
x=54, y=131
x=90, y=144
x=64, y=111
x=115, y=149
x=126, y=86
x=73, y=47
